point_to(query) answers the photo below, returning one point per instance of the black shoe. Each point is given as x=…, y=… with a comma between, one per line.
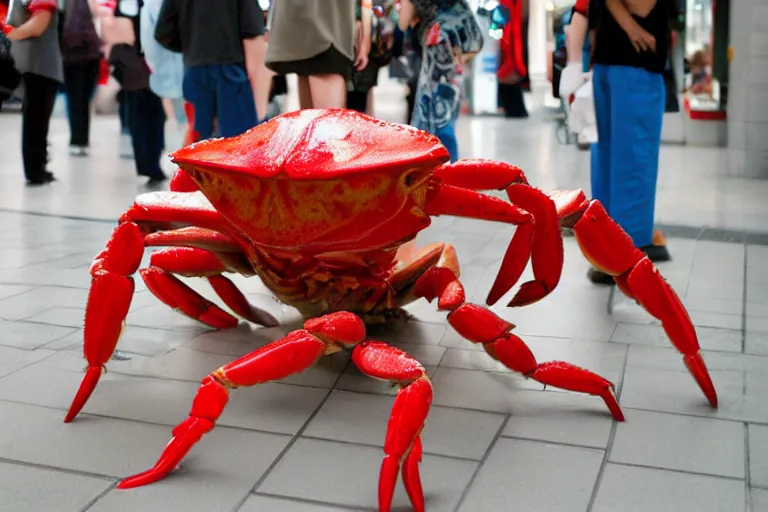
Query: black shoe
x=156, y=178
x=600, y=277
x=657, y=251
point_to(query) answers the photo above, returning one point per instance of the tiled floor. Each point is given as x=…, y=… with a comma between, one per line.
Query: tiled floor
x=313, y=442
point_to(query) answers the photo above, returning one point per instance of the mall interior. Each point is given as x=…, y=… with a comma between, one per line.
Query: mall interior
x=495, y=439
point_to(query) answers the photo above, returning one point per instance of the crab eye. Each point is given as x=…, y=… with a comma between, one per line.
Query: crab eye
x=410, y=178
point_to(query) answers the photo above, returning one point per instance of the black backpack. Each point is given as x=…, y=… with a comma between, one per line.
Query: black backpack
x=79, y=40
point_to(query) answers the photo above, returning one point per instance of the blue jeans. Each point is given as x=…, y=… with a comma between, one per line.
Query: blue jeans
x=220, y=91
x=447, y=136
x=629, y=107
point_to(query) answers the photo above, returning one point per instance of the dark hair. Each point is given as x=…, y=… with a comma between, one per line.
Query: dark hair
x=426, y=10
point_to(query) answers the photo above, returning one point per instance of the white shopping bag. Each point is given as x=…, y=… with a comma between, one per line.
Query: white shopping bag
x=582, y=120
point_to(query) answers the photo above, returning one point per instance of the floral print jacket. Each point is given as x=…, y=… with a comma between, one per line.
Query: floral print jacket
x=453, y=33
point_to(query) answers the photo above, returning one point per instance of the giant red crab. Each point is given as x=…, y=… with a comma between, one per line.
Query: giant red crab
x=318, y=205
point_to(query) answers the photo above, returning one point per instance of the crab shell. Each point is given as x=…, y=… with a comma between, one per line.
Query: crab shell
x=314, y=181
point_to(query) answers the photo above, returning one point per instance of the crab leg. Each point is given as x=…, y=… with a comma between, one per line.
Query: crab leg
x=194, y=262
x=112, y=289
x=108, y=302
x=450, y=200
x=292, y=354
x=409, y=412
x=546, y=251
x=480, y=325
x=608, y=247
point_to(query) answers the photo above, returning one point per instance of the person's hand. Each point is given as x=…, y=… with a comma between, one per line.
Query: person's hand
x=5, y=29
x=641, y=39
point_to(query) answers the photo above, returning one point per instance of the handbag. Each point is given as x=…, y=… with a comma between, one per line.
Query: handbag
x=10, y=77
x=129, y=68
x=80, y=41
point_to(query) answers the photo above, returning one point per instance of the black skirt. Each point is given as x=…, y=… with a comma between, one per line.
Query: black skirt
x=329, y=62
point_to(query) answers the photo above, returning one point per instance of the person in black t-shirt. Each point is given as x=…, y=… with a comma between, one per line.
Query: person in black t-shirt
x=223, y=46
x=630, y=44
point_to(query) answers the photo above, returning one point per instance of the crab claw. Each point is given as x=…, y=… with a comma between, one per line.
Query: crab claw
x=340, y=327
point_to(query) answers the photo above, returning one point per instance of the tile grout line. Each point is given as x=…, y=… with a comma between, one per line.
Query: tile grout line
x=744, y=308
x=308, y=501
x=747, y=474
x=611, y=437
x=480, y=465
x=680, y=471
x=99, y=496
x=292, y=441
x=27, y=366
x=59, y=469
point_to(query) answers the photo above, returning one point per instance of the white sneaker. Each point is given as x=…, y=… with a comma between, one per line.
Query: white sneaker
x=126, y=146
x=78, y=150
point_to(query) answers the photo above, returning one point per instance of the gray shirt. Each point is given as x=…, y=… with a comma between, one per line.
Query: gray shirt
x=37, y=55
x=301, y=29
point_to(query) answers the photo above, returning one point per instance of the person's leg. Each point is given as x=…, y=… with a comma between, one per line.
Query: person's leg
x=601, y=151
x=369, y=107
x=90, y=77
x=80, y=80
x=601, y=157
x=328, y=91
x=201, y=93
x=146, y=120
x=305, y=96
x=637, y=110
x=37, y=107
x=152, y=131
x=126, y=142
x=235, y=108
x=356, y=101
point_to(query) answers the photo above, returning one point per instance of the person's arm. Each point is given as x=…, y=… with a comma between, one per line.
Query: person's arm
x=114, y=30
x=42, y=14
x=364, y=35
x=407, y=15
x=167, y=27
x=575, y=36
x=640, y=38
x=252, y=31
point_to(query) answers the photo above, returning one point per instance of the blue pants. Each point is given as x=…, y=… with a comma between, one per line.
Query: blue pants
x=447, y=136
x=222, y=91
x=629, y=107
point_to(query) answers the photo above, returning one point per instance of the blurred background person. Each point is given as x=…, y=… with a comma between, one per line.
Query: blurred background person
x=629, y=56
x=167, y=67
x=449, y=36
x=143, y=108
x=10, y=78
x=324, y=53
x=360, y=93
x=33, y=29
x=223, y=49
x=512, y=73
x=81, y=51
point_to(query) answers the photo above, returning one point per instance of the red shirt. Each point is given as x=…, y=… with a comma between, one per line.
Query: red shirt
x=581, y=7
